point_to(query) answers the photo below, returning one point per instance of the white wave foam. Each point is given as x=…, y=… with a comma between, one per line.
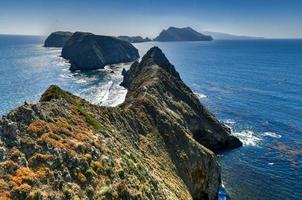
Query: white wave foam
x=65, y=76
x=229, y=122
x=248, y=137
x=272, y=134
x=222, y=193
x=200, y=95
x=81, y=81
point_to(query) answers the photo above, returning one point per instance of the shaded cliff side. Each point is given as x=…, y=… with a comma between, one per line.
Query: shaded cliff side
x=153, y=146
x=86, y=51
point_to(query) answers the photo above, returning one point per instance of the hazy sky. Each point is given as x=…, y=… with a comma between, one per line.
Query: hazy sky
x=268, y=18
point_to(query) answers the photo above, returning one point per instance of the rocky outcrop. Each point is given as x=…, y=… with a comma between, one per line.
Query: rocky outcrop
x=155, y=55
x=182, y=34
x=134, y=39
x=203, y=126
x=156, y=145
x=86, y=51
x=57, y=39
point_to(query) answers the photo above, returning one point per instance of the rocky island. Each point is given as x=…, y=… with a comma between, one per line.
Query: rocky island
x=182, y=34
x=86, y=51
x=158, y=144
x=134, y=39
x=57, y=39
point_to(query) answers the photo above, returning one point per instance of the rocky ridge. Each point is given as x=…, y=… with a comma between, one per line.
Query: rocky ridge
x=158, y=144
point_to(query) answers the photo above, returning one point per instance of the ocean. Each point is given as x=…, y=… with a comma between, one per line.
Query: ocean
x=253, y=86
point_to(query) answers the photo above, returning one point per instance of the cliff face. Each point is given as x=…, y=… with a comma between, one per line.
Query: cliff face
x=182, y=34
x=86, y=51
x=153, y=146
x=57, y=39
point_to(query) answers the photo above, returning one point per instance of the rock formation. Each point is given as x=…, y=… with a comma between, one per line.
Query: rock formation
x=57, y=39
x=156, y=145
x=134, y=39
x=86, y=51
x=182, y=34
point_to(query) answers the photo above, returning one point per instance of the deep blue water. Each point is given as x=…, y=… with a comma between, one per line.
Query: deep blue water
x=255, y=87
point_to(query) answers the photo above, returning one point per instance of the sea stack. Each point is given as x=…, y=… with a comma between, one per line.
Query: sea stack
x=57, y=39
x=158, y=144
x=86, y=51
x=181, y=34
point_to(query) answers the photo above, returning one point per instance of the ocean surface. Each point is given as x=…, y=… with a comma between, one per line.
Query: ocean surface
x=254, y=87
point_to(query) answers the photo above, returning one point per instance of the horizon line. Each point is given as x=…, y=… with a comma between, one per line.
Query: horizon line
x=251, y=37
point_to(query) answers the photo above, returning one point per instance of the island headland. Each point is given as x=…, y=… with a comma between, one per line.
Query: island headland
x=158, y=144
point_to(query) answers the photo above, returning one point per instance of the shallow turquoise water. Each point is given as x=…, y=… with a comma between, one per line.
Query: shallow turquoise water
x=255, y=87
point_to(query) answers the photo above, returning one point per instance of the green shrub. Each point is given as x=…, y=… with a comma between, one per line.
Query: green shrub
x=35, y=195
x=67, y=193
x=89, y=118
x=90, y=173
x=88, y=157
x=90, y=192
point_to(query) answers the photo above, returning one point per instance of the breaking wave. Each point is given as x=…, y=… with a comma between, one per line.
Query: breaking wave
x=272, y=134
x=248, y=137
x=200, y=95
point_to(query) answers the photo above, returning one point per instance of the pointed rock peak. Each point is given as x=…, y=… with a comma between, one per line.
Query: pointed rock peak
x=55, y=92
x=155, y=56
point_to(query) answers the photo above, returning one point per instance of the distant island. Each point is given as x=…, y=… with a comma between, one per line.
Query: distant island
x=227, y=36
x=86, y=51
x=134, y=39
x=57, y=39
x=182, y=34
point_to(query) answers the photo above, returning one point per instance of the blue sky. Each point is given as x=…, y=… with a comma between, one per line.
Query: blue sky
x=268, y=18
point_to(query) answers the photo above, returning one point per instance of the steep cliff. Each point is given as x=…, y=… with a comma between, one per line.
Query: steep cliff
x=57, y=39
x=86, y=51
x=153, y=146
